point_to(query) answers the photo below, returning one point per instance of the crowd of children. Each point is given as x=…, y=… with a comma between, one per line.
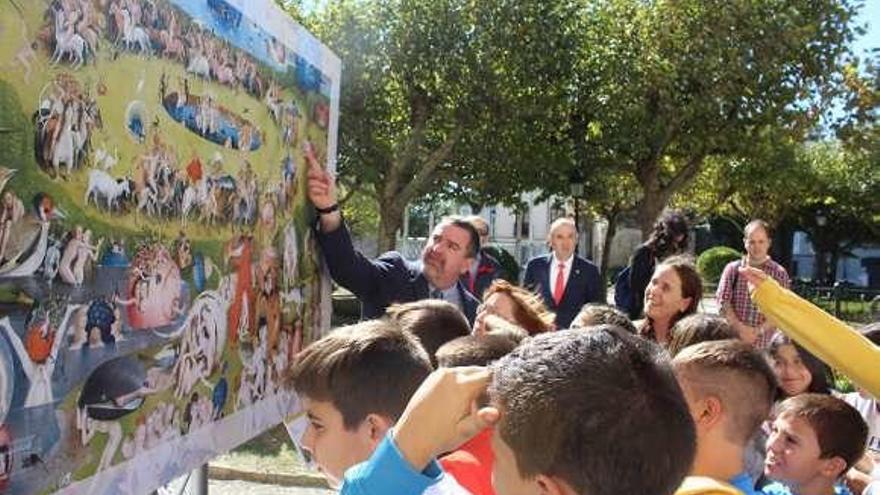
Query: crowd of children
x=678, y=403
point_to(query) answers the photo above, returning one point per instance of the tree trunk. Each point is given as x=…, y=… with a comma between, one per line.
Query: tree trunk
x=832, y=265
x=656, y=193
x=649, y=209
x=606, y=247
x=390, y=221
x=781, y=249
x=821, y=271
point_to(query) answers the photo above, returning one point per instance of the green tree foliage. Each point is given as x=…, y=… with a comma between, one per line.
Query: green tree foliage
x=829, y=190
x=492, y=98
x=697, y=79
x=842, y=206
x=426, y=85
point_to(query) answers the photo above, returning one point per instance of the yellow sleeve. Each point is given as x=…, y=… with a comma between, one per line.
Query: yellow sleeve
x=700, y=485
x=828, y=338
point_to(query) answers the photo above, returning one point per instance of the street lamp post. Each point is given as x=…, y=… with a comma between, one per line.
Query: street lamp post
x=577, y=190
x=818, y=244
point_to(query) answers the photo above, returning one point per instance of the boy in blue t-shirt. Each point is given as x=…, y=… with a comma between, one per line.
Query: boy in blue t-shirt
x=730, y=389
x=814, y=440
x=354, y=384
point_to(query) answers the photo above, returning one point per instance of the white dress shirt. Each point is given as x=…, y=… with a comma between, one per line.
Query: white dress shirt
x=554, y=269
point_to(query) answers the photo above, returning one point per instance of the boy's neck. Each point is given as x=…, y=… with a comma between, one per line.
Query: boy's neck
x=719, y=460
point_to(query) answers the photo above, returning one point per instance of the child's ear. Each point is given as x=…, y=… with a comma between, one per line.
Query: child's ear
x=833, y=467
x=714, y=410
x=377, y=426
x=709, y=412
x=551, y=485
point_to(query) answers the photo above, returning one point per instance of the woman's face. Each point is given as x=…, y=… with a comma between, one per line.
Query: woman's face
x=500, y=304
x=663, y=296
x=793, y=375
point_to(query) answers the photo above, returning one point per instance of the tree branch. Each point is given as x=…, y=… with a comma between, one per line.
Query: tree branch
x=686, y=174
x=430, y=165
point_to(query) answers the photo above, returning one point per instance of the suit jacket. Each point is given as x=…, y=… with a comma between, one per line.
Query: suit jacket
x=487, y=270
x=583, y=286
x=382, y=281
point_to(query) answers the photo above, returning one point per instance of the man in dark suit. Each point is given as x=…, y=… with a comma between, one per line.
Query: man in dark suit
x=388, y=279
x=565, y=281
x=485, y=268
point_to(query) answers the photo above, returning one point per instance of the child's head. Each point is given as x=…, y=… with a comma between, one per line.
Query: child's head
x=797, y=370
x=432, y=321
x=815, y=438
x=599, y=314
x=472, y=350
x=730, y=389
x=697, y=328
x=515, y=305
x=355, y=383
x=589, y=412
x=496, y=325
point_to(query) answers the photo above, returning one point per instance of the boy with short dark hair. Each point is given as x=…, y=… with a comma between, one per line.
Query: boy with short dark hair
x=597, y=413
x=578, y=413
x=473, y=350
x=730, y=389
x=814, y=440
x=354, y=384
x=696, y=328
x=434, y=322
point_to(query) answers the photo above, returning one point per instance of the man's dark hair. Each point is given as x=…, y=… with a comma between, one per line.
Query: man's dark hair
x=432, y=321
x=594, y=409
x=602, y=314
x=473, y=249
x=372, y=367
x=738, y=375
x=472, y=350
x=696, y=328
x=840, y=429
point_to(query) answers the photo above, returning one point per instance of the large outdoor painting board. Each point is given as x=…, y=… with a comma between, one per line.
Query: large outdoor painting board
x=157, y=271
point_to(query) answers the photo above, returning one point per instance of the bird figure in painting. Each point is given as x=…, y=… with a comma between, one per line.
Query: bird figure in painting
x=29, y=239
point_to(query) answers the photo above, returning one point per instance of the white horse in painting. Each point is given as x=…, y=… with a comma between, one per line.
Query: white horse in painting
x=134, y=36
x=67, y=42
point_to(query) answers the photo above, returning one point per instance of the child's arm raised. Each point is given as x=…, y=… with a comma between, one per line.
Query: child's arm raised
x=828, y=338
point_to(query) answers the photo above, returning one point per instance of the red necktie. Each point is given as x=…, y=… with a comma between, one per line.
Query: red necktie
x=559, y=287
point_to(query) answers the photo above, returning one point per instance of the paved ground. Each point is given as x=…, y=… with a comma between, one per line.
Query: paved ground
x=237, y=487
x=241, y=487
